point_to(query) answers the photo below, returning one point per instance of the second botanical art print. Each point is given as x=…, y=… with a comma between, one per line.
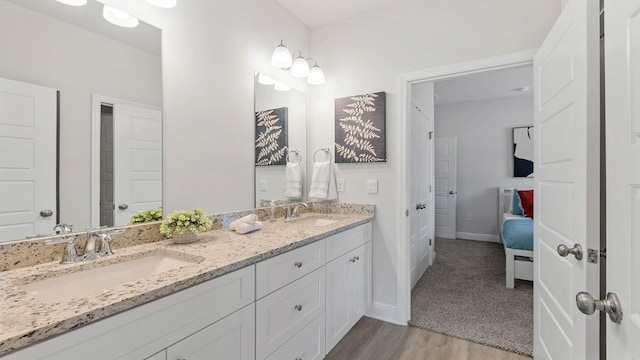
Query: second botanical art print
x=360, y=128
x=271, y=137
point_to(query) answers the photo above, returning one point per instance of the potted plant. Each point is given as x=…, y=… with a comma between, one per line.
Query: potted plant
x=145, y=216
x=182, y=226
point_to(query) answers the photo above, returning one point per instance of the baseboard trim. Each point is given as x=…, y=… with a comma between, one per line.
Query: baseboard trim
x=477, y=237
x=384, y=312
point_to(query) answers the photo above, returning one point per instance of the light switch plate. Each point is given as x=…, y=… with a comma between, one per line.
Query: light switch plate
x=340, y=184
x=372, y=186
x=264, y=186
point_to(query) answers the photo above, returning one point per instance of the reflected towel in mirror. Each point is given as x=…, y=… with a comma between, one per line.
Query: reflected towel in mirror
x=293, y=181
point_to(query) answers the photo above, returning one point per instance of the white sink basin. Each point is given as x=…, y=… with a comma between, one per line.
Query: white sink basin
x=316, y=220
x=96, y=280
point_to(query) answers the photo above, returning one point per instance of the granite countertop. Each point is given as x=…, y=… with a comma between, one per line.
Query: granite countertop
x=26, y=320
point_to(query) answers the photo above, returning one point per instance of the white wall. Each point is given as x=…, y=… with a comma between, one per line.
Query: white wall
x=40, y=50
x=210, y=52
x=368, y=52
x=485, y=160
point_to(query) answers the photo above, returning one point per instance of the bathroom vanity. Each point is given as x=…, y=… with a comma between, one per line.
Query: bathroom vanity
x=291, y=290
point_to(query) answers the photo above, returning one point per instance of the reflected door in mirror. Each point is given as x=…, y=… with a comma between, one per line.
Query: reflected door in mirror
x=28, y=125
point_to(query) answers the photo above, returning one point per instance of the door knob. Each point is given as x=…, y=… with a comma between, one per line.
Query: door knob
x=421, y=206
x=123, y=206
x=611, y=305
x=451, y=192
x=46, y=213
x=576, y=250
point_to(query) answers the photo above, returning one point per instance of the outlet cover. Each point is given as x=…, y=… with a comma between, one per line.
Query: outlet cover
x=264, y=185
x=340, y=184
x=372, y=186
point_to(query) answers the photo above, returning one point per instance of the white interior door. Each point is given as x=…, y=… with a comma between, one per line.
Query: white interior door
x=107, y=205
x=566, y=211
x=445, y=187
x=137, y=154
x=421, y=210
x=27, y=159
x=622, y=56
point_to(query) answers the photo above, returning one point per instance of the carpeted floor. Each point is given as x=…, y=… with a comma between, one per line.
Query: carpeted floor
x=463, y=294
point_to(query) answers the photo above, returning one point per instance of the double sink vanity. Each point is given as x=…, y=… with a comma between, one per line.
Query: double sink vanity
x=289, y=291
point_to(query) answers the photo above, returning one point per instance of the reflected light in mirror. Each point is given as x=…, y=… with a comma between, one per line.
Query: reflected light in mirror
x=118, y=17
x=163, y=3
x=265, y=80
x=281, y=87
x=73, y=2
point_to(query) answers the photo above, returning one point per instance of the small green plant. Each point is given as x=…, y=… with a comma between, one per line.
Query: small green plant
x=146, y=216
x=181, y=221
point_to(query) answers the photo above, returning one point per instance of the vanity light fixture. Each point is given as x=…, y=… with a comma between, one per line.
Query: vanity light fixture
x=73, y=2
x=265, y=80
x=163, y=3
x=118, y=17
x=281, y=87
x=298, y=65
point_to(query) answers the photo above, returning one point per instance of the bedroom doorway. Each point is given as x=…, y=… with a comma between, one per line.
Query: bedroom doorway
x=445, y=173
x=475, y=265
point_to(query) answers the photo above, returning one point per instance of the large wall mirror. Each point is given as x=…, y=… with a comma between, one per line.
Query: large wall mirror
x=107, y=86
x=281, y=142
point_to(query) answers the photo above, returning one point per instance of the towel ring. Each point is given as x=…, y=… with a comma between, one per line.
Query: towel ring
x=323, y=149
x=297, y=152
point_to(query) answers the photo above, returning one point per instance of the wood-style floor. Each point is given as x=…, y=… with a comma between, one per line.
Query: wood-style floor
x=372, y=339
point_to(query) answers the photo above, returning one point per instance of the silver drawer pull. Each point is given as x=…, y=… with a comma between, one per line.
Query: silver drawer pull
x=298, y=264
x=353, y=259
x=298, y=307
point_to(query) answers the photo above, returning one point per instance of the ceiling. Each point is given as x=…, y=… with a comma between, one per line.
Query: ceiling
x=484, y=86
x=316, y=13
x=89, y=17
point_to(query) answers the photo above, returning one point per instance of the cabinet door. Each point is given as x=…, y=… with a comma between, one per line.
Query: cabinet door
x=359, y=283
x=337, y=311
x=231, y=338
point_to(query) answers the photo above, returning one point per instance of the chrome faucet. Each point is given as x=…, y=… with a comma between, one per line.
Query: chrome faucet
x=272, y=214
x=70, y=255
x=296, y=213
x=62, y=228
x=90, y=250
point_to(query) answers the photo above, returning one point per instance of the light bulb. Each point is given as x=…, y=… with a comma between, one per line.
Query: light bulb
x=300, y=67
x=163, y=3
x=281, y=87
x=281, y=57
x=316, y=76
x=73, y=2
x=118, y=17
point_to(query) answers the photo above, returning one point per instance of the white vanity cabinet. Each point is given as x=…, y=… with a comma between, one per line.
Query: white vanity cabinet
x=349, y=281
x=143, y=332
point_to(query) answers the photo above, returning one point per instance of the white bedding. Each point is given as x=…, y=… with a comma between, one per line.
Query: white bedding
x=507, y=216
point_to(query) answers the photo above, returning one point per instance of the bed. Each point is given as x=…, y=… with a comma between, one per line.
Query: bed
x=516, y=232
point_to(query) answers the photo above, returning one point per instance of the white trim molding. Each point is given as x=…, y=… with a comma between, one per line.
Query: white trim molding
x=477, y=237
x=384, y=312
x=405, y=81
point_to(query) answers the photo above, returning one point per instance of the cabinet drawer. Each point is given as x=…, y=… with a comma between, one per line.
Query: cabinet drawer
x=281, y=270
x=287, y=311
x=308, y=344
x=345, y=241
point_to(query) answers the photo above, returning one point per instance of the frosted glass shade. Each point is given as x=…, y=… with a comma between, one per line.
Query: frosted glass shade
x=281, y=57
x=163, y=3
x=118, y=17
x=265, y=80
x=73, y=2
x=316, y=76
x=281, y=87
x=300, y=67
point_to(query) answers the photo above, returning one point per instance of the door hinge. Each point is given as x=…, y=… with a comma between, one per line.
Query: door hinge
x=430, y=135
x=429, y=188
x=429, y=242
x=593, y=255
x=407, y=212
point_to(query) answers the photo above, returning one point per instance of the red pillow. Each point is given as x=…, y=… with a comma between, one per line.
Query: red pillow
x=526, y=202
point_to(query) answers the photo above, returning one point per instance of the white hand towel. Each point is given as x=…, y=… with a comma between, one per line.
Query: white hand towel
x=293, y=181
x=247, y=228
x=333, y=185
x=249, y=219
x=320, y=180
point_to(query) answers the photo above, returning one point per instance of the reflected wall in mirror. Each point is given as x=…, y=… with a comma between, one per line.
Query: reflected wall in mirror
x=271, y=182
x=74, y=51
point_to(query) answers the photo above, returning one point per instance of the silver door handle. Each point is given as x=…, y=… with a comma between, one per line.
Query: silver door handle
x=46, y=213
x=123, y=206
x=298, y=264
x=451, y=192
x=611, y=305
x=421, y=206
x=298, y=307
x=576, y=250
